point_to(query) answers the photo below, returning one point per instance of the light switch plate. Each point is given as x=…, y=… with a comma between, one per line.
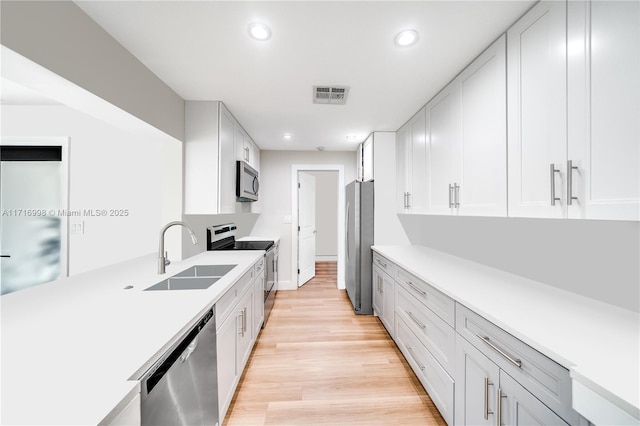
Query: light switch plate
x=287, y=219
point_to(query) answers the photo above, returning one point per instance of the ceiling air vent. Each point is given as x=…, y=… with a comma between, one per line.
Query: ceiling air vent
x=334, y=95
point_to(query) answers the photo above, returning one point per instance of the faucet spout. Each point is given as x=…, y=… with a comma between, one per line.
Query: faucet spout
x=163, y=261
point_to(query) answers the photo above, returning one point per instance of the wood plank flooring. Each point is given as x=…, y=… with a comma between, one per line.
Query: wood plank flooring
x=317, y=363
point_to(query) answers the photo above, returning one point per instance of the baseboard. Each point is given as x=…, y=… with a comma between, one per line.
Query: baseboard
x=326, y=258
x=287, y=285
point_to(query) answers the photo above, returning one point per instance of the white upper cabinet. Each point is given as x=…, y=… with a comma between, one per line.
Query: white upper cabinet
x=537, y=112
x=212, y=140
x=482, y=183
x=604, y=109
x=443, y=147
x=367, y=159
x=411, y=161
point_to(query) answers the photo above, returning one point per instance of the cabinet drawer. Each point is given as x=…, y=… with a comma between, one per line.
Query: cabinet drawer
x=544, y=378
x=227, y=302
x=434, y=378
x=439, y=303
x=384, y=264
x=438, y=337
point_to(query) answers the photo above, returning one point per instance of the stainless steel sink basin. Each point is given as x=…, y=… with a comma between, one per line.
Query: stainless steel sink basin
x=184, y=283
x=206, y=271
x=198, y=277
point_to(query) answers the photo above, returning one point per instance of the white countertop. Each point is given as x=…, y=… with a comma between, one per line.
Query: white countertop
x=597, y=342
x=70, y=347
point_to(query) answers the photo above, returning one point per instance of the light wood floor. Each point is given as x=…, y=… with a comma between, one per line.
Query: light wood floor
x=316, y=362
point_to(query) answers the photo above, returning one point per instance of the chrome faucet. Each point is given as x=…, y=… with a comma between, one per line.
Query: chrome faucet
x=163, y=259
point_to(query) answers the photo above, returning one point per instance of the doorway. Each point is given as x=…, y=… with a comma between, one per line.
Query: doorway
x=301, y=257
x=34, y=213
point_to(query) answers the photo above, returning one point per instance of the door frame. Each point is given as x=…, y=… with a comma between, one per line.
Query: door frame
x=62, y=142
x=295, y=168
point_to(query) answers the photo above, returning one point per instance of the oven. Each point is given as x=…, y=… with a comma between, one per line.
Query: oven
x=222, y=237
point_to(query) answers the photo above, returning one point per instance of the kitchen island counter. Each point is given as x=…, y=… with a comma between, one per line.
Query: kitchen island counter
x=73, y=349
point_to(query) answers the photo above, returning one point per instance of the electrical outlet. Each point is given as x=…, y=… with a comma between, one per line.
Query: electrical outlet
x=287, y=219
x=77, y=228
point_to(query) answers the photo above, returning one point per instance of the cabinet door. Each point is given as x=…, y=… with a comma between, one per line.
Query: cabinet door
x=388, y=302
x=239, y=143
x=403, y=168
x=519, y=407
x=483, y=153
x=477, y=380
x=604, y=106
x=360, y=163
x=227, y=354
x=536, y=105
x=253, y=153
x=367, y=159
x=443, y=114
x=245, y=328
x=227, y=182
x=258, y=304
x=377, y=292
x=418, y=195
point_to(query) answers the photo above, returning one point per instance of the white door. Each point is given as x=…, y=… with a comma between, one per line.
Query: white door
x=604, y=109
x=443, y=115
x=483, y=187
x=537, y=111
x=306, y=227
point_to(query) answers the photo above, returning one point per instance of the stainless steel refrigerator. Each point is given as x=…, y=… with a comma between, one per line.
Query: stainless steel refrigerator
x=359, y=236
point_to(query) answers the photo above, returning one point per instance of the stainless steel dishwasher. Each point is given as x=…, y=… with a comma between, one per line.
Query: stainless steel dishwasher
x=181, y=388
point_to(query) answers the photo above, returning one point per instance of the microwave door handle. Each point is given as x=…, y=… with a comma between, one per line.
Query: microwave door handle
x=256, y=185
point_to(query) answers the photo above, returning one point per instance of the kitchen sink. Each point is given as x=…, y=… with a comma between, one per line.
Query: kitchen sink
x=198, y=277
x=206, y=271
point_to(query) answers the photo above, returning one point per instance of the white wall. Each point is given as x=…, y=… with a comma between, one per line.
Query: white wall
x=275, y=187
x=60, y=37
x=326, y=213
x=595, y=258
x=109, y=169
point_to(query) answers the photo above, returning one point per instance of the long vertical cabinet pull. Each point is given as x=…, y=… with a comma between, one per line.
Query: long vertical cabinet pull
x=552, y=173
x=408, y=200
x=450, y=196
x=499, y=407
x=570, y=169
x=456, y=195
x=240, y=317
x=487, y=383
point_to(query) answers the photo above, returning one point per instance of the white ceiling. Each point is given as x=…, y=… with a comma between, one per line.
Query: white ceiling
x=202, y=50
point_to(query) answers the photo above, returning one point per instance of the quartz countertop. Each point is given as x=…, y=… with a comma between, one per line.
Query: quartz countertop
x=73, y=349
x=597, y=342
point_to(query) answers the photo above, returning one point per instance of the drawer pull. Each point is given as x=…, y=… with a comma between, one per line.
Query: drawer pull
x=508, y=357
x=414, y=319
x=381, y=263
x=413, y=286
x=413, y=355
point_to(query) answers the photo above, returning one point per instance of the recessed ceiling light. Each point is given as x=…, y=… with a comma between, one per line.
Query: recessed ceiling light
x=351, y=137
x=406, y=38
x=259, y=31
x=287, y=136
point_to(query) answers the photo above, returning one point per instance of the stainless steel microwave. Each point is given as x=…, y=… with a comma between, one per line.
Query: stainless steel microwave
x=247, y=183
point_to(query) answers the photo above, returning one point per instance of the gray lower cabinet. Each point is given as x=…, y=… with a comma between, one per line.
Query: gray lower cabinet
x=384, y=298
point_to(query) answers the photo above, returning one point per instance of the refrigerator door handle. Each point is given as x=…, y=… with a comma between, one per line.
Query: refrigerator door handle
x=347, y=236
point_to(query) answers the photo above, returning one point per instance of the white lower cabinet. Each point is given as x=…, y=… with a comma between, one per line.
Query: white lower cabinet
x=383, y=298
x=434, y=378
x=235, y=337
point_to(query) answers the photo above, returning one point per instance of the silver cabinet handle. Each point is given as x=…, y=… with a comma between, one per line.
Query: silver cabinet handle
x=413, y=355
x=241, y=315
x=487, y=383
x=508, y=357
x=408, y=200
x=381, y=284
x=456, y=195
x=450, y=197
x=570, y=169
x=413, y=286
x=381, y=263
x=499, y=407
x=244, y=321
x=414, y=319
x=552, y=173
x=405, y=200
